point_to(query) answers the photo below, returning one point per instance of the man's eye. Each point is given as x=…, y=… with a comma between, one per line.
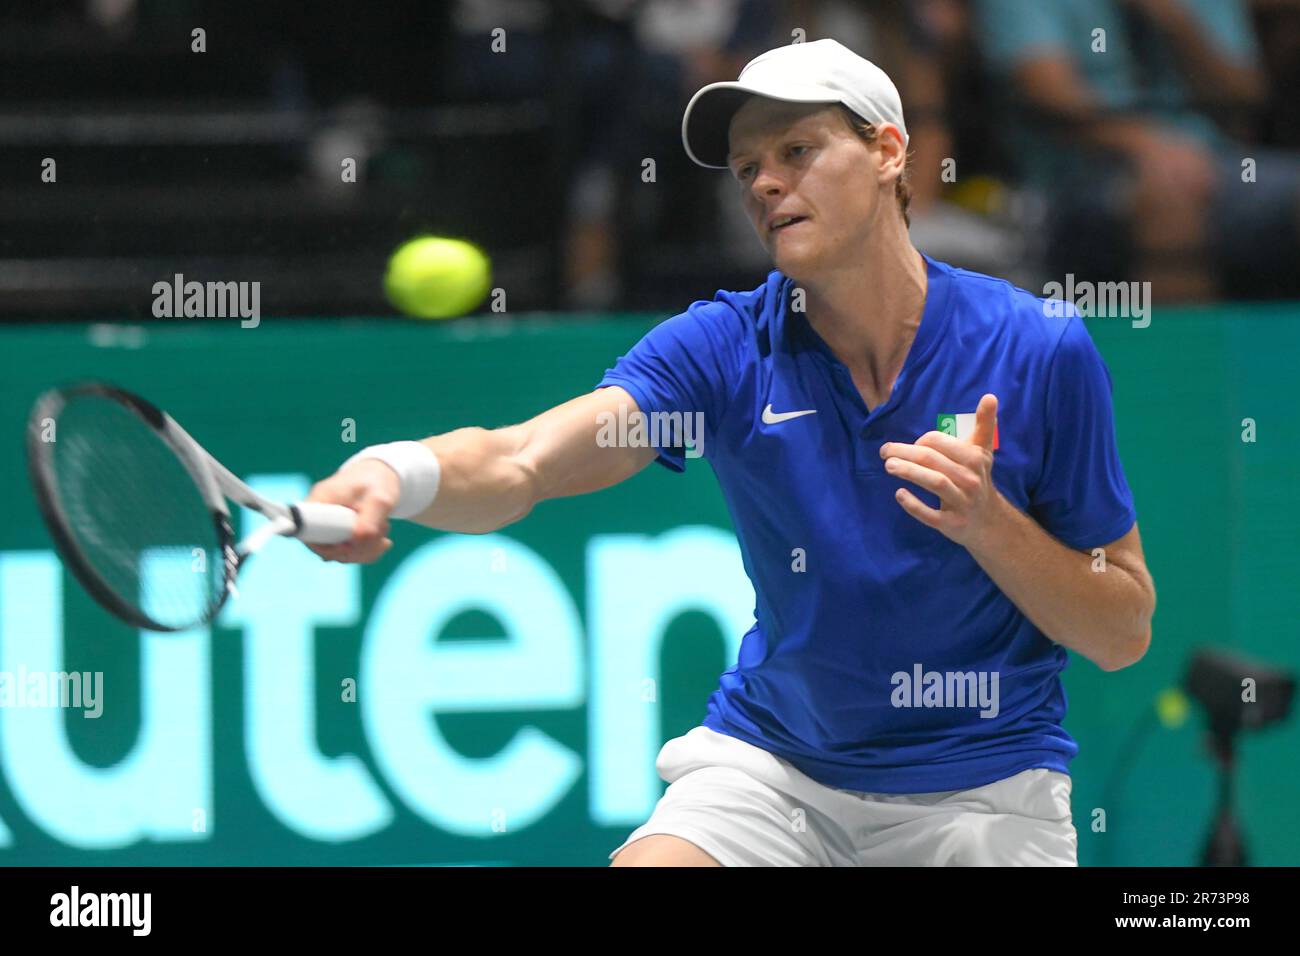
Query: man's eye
x=798, y=150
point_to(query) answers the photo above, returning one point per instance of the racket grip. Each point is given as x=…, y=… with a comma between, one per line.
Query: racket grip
x=320, y=523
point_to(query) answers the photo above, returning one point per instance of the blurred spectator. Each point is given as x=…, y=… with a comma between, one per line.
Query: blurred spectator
x=539, y=149
x=616, y=73
x=478, y=70
x=1131, y=115
x=637, y=65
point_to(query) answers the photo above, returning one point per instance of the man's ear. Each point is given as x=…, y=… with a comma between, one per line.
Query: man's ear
x=893, y=152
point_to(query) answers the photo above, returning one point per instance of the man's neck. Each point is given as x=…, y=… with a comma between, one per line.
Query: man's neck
x=869, y=313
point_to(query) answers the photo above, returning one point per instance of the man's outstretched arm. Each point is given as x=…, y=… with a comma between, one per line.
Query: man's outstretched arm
x=490, y=478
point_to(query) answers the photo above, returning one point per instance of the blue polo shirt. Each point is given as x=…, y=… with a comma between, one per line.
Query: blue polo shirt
x=882, y=657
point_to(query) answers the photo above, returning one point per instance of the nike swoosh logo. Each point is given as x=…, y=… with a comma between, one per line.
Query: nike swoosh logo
x=771, y=418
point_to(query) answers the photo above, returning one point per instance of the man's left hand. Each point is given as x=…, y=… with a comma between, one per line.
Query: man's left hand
x=958, y=471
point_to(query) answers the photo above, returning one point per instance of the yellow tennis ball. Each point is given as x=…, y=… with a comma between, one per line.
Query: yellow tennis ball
x=437, y=278
x=1172, y=707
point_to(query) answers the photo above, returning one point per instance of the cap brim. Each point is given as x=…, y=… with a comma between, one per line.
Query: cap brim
x=707, y=120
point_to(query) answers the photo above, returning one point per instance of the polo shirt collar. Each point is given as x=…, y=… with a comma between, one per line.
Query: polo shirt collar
x=801, y=336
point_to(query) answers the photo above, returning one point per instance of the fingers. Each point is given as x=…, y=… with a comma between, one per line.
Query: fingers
x=929, y=479
x=950, y=468
x=335, y=490
x=351, y=553
x=370, y=493
x=928, y=516
x=986, y=422
x=936, y=451
x=372, y=519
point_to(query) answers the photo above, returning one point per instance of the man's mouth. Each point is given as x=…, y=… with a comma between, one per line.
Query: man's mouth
x=785, y=221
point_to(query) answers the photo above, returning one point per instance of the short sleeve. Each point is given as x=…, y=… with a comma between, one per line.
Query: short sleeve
x=1082, y=497
x=1012, y=31
x=682, y=374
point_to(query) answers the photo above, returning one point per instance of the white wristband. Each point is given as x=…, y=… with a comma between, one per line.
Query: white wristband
x=417, y=470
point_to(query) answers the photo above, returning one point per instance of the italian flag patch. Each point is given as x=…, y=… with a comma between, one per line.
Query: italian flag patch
x=961, y=426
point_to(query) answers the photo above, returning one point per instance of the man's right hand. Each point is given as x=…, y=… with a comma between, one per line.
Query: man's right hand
x=371, y=489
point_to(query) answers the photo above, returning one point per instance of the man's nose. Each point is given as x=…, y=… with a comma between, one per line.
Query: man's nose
x=767, y=183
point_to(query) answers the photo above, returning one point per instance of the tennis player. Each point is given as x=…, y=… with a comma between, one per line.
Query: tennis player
x=921, y=466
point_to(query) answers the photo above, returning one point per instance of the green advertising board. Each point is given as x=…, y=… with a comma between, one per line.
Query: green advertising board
x=500, y=699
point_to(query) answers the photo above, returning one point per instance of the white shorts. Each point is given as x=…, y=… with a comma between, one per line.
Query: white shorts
x=746, y=807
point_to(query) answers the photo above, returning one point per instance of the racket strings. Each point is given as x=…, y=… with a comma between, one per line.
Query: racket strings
x=135, y=513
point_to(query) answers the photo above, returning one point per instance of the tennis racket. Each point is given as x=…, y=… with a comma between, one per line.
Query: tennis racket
x=138, y=509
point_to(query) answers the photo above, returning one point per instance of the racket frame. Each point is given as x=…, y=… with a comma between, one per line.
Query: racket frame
x=214, y=482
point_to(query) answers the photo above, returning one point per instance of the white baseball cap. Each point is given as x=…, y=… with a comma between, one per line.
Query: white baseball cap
x=823, y=71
